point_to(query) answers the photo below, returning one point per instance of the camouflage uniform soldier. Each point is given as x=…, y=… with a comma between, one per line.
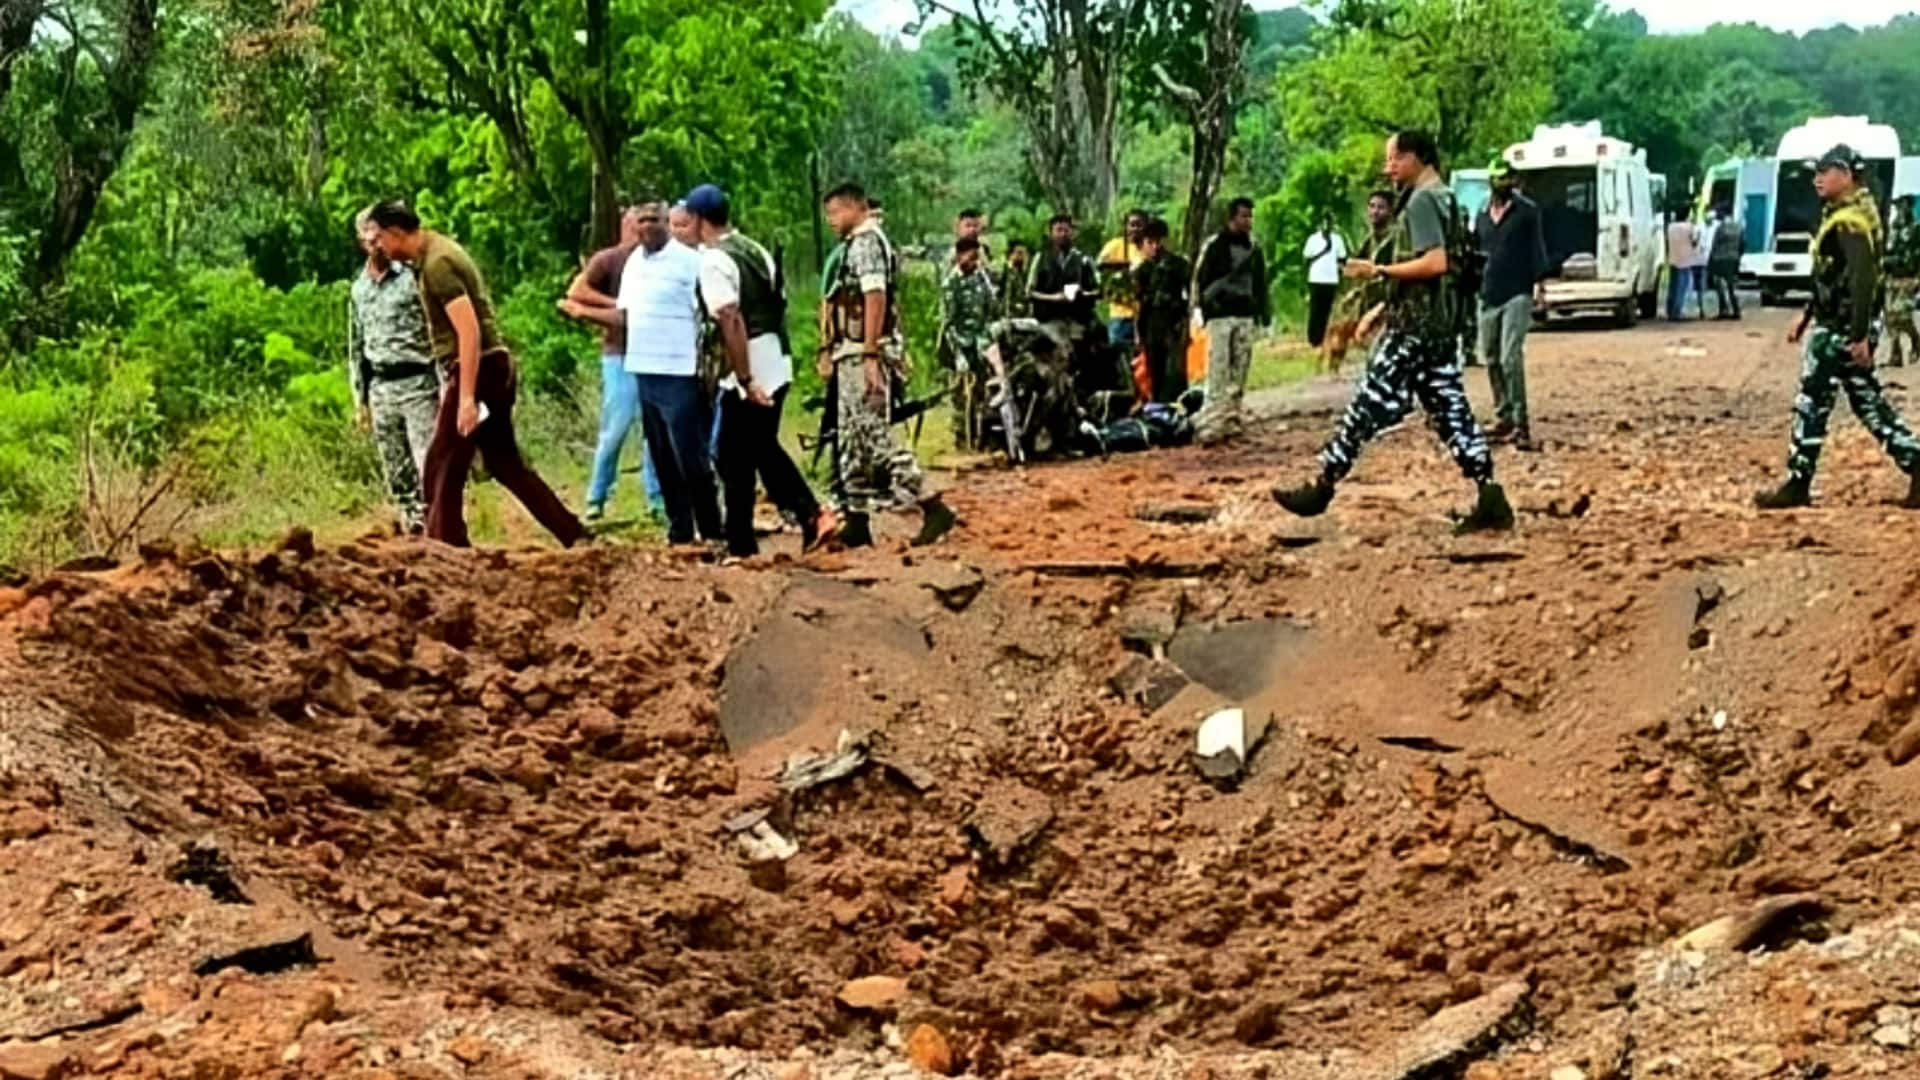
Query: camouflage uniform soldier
x=1903, y=282
x=1838, y=354
x=1415, y=357
x=390, y=366
x=863, y=343
x=1015, y=301
x=967, y=303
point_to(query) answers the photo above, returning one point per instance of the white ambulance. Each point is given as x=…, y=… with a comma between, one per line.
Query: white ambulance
x=1782, y=261
x=1600, y=220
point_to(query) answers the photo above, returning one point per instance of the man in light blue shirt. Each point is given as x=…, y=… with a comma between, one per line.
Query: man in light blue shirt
x=658, y=305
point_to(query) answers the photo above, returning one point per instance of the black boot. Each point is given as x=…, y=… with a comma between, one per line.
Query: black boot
x=1490, y=512
x=1794, y=493
x=1310, y=500
x=936, y=520
x=856, y=532
x=1912, y=501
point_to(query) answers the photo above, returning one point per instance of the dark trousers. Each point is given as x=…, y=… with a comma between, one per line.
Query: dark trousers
x=750, y=447
x=674, y=421
x=1167, y=362
x=1726, y=287
x=450, y=457
x=1319, y=307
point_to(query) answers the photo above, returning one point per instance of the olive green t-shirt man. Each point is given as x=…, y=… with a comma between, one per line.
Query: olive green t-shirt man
x=446, y=273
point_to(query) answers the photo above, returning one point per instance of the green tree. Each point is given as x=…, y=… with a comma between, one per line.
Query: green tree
x=1062, y=65
x=73, y=78
x=1477, y=75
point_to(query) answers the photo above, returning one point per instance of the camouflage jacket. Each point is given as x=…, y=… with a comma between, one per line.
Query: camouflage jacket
x=1903, y=248
x=967, y=309
x=386, y=331
x=1846, y=265
x=1162, y=288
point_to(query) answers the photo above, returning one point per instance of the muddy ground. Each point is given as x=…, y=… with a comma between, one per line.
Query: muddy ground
x=392, y=810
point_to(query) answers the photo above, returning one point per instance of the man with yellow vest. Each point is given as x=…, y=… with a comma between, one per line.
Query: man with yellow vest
x=1838, y=354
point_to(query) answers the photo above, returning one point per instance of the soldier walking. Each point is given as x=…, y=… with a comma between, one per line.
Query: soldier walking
x=1415, y=357
x=1838, y=352
x=863, y=346
x=396, y=387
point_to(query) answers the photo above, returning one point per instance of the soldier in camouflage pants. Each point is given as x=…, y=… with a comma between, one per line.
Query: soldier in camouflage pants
x=396, y=384
x=1826, y=368
x=878, y=473
x=1416, y=356
x=1405, y=367
x=1840, y=335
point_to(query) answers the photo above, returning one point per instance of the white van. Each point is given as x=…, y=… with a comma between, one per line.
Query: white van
x=1602, y=227
x=1783, y=262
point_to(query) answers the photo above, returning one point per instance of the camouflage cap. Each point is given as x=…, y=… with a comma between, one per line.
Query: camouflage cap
x=1841, y=156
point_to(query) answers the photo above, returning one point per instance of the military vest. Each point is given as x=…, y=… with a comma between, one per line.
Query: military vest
x=763, y=298
x=1856, y=214
x=846, y=300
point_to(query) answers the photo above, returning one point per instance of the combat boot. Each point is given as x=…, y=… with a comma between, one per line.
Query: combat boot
x=1788, y=496
x=1490, y=513
x=1912, y=501
x=856, y=532
x=1310, y=500
x=936, y=520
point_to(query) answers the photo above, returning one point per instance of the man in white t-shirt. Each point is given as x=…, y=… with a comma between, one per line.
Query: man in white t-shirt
x=741, y=286
x=1325, y=250
x=658, y=307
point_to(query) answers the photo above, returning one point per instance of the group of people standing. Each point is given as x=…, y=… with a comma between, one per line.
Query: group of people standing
x=435, y=384
x=694, y=350
x=1155, y=299
x=1704, y=256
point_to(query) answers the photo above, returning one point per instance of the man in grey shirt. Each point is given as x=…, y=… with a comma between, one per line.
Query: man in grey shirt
x=396, y=385
x=1415, y=356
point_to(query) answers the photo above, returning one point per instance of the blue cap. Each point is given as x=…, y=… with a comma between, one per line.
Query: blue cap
x=705, y=200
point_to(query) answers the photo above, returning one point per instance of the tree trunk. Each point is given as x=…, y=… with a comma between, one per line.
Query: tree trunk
x=599, y=124
x=1210, y=109
x=17, y=19
x=88, y=161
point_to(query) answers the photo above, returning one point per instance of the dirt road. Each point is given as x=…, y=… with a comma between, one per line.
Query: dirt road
x=391, y=810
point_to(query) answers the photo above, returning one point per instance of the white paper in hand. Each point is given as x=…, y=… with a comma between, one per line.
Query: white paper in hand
x=481, y=412
x=1073, y=292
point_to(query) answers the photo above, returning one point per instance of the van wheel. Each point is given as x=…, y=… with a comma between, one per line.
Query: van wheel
x=1628, y=314
x=1769, y=297
x=1649, y=304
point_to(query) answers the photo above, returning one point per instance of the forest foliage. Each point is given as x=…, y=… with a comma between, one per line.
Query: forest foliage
x=177, y=179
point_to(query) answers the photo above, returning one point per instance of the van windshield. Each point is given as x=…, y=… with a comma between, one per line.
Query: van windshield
x=1569, y=210
x=1796, y=208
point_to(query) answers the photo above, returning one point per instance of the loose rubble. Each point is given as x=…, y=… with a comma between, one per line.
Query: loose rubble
x=1626, y=794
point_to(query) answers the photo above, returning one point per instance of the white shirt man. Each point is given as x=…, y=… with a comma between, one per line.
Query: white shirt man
x=658, y=295
x=1324, y=251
